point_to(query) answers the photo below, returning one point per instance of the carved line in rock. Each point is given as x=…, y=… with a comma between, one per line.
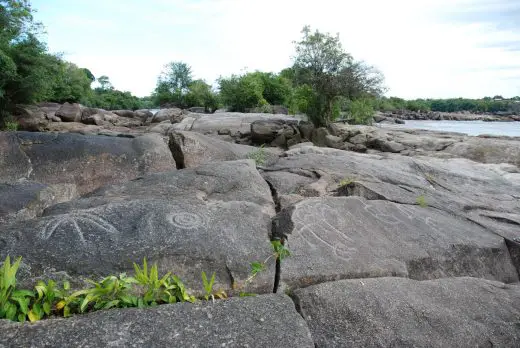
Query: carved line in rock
x=317, y=229
x=75, y=219
x=186, y=221
x=316, y=223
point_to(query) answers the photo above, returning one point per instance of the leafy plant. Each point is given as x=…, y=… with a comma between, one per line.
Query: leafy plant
x=280, y=252
x=421, y=201
x=208, y=288
x=167, y=289
x=346, y=181
x=259, y=156
x=14, y=304
x=11, y=126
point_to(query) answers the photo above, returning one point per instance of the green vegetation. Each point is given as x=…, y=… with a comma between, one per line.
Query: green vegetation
x=145, y=289
x=421, y=201
x=325, y=82
x=259, y=155
x=483, y=105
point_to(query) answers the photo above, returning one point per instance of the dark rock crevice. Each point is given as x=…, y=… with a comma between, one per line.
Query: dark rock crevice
x=175, y=146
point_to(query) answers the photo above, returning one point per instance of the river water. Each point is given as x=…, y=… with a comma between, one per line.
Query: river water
x=469, y=127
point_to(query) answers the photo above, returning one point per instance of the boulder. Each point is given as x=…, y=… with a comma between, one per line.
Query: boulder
x=385, y=145
x=263, y=321
x=174, y=115
x=213, y=218
x=96, y=119
x=273, y=131
x=143, y=115
x=125, y=113
x=31, y=118
x=197, y=109
x=398, y=312
x=85, y=161
x=333, y=141
x=319, y=135
x=26, y=200
x=69, y=112
x=192, y=149
x=49, y=109
x=350, y=237
x=306, y=129
x=488, y=150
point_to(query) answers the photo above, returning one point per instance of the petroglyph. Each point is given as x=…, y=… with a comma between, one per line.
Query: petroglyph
x=186, y=221
x=315, y=223
x=74, y=223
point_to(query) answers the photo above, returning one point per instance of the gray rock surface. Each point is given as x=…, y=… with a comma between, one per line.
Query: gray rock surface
x=214, y=218
x=457, y=186
x=173, y=115
x=86, y=161
x=349, y=237
x=192, y=149
x=263, y=321
x=397, y=312
x=25, y=200
x=69, y=112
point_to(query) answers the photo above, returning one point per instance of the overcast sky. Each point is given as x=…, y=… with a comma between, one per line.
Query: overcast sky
x=425, y=48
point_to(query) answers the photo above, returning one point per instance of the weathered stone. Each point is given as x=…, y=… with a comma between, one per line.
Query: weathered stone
x=26, y=200
x=31, y=118
x=143, y=115
x=262, y=321
x=192, y=149
x=69, y=112
x=174, y=115
x=306, y=129
x=213, y=218
x=397, y=312
x=319, y=135
x=96, y=119
x=287, y=183
x=488, y=150
x=86, y=161
x=358, y=139
x=124, y=113
x=266, y=131
x=333, y=141
x=349, y=237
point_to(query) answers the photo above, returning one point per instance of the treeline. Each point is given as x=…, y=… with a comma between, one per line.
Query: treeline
x=324, y=82
x=484, y=105
x=29, y=73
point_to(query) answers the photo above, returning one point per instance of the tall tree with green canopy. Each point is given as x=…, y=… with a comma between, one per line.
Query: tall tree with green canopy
x=331, y=73
x=173, y=83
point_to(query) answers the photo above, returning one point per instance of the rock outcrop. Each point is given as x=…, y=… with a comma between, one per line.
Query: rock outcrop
x=397, y=238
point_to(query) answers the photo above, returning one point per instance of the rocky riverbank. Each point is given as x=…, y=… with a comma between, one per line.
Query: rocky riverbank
x=397, y=237
x=401, y=115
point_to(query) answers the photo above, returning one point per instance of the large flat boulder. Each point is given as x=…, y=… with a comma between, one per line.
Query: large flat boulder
x=214, y=218
x=398, y=312
x=26, y=200
x=263, y=321
x=458, y=186
x=192, y=149
x=350, y=237
x=85, y=161
x=488, y=150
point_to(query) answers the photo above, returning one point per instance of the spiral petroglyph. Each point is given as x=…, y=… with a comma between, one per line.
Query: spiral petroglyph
x=187, y=221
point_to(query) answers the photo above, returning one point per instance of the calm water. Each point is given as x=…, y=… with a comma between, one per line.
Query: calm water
x=468, y=127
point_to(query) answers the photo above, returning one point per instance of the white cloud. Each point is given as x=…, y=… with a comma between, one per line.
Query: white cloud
x=423, y=50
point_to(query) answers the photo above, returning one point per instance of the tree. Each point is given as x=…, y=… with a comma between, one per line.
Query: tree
x=322, y=64
x=173, y=83
x=240, y=93
x=200, y=94
x=104, y=83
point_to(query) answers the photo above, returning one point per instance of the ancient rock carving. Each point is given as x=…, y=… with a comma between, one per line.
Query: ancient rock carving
x=75, y=221
x=186, y=221
x=315, y=224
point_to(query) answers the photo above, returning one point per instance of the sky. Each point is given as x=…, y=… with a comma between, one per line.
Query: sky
x=425, y=48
